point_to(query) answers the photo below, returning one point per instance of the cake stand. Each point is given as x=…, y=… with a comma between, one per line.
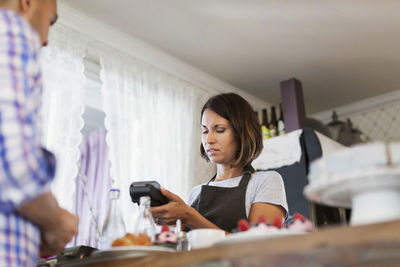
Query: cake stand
x=373, y=193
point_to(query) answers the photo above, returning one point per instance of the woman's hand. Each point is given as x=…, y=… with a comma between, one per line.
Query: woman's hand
x=175, y=209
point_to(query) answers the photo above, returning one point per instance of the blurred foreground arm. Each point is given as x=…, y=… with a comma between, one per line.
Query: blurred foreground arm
x=57, y=225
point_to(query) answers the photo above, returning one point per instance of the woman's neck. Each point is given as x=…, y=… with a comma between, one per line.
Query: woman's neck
x=227, y=172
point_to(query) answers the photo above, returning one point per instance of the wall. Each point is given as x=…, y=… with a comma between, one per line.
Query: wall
x=114, y=38
x=377, y=117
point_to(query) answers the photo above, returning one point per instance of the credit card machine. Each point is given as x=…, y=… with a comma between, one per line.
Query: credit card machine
x=147, y=188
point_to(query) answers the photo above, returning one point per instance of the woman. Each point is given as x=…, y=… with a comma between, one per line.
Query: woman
x=231, y=138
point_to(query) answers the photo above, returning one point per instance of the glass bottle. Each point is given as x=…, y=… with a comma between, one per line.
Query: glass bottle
x=256, y=114
x=281, y=121
x=114, y=226
x=145, y=222
x=273, y=123
x=264, y=125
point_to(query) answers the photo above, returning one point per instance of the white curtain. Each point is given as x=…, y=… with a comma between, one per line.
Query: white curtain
x=153, y=123
x=63, y=106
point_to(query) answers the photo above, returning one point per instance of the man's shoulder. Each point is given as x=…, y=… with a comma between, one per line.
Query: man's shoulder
x=9, y=18
x=17, y=29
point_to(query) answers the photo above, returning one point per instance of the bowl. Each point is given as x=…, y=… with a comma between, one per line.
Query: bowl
x=204, y=237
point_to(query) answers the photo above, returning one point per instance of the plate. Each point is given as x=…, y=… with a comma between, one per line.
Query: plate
x=257, y=235
x=131, y=251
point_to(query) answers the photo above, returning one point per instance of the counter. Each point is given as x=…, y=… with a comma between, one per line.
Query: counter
x=367, y=245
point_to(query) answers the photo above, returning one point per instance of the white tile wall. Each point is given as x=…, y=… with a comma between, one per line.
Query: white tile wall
x=379, y=124
x=377, y=117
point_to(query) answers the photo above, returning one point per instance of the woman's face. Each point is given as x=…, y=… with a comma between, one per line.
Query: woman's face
x=218, y=138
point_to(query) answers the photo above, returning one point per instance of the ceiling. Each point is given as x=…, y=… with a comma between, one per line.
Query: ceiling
x=341, y=50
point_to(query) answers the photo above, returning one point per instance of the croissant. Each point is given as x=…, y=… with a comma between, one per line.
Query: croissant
x=132, y=240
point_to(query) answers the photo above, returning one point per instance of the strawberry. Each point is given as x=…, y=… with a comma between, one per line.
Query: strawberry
x=261, y=219
x=278, y=222
x=243, y=225
x=298, y=216
x=165, y=228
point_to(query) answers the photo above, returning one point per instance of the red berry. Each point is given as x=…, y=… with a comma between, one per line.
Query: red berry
x=278, y=222
x=298, y=216
x=165, y=228
x=243, y=225
x=261, y=219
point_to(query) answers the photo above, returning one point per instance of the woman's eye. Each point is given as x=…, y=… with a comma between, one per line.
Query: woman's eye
x=220, y=130
x=204, y=132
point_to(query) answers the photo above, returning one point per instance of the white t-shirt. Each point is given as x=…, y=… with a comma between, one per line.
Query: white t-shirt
x=264, y=186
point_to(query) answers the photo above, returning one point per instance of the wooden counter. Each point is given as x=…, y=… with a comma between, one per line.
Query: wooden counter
x=368, y=245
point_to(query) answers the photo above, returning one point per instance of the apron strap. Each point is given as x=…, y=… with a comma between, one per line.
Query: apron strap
x=247, y=170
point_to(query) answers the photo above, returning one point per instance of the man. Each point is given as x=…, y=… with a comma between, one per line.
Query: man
x=31, y=222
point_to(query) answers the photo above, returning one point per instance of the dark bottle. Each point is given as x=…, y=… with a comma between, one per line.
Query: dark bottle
x=273, y=123
x=264, y=125
x=256, y=114
x=281, y=122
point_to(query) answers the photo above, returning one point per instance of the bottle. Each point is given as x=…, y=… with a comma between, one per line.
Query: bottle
x=256, y=113
x=264, y=125
x=114, y=226
x=281, y=122
x=145, y=222
x=273, y=123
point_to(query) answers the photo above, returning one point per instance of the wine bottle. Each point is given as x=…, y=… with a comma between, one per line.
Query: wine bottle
x=264, y=125
x=273, y=123
x=256, y=114
x=281, y=122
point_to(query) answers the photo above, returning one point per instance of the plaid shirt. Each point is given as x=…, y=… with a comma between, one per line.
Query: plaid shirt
x=25, y=168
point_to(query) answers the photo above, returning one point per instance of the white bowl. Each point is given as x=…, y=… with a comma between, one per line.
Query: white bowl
x=204, y=237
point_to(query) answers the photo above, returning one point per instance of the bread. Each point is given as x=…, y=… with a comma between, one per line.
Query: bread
x=132, y=240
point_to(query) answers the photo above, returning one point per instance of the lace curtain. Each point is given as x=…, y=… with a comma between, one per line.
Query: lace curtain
x=63, y=106
x=152, y=119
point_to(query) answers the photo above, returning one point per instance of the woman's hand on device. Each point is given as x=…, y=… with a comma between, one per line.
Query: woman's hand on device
x=175, y=209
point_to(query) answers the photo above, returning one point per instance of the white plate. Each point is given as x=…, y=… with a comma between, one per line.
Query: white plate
x=131, y=251
x=257, y=235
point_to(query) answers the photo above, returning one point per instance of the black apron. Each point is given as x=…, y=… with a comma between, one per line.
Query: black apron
x=224, y=206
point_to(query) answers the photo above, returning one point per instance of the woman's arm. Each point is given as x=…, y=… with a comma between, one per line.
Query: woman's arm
x=269, y=211
x=268, y=188
x=178, y=209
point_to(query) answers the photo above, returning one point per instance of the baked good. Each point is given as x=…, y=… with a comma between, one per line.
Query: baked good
x=166, y=238
x=132, y=240
x=297, y=223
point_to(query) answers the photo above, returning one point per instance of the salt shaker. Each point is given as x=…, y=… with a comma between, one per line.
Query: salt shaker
x=183, y=243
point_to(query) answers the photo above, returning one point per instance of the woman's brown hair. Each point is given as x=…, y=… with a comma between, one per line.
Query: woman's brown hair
x=245, y=124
